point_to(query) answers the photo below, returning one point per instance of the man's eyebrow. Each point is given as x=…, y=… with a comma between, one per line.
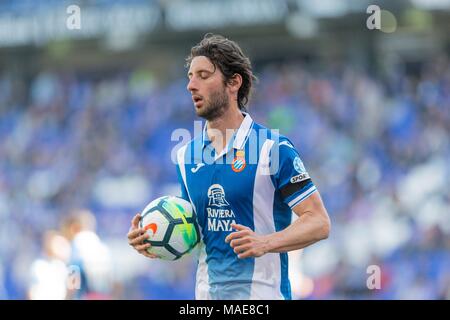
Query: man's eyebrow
x=199, y=71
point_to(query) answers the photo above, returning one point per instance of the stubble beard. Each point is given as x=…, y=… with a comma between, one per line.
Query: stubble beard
x=217, y=104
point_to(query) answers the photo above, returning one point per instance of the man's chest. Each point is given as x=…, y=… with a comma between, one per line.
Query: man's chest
x=222, y=192
x=220, y=184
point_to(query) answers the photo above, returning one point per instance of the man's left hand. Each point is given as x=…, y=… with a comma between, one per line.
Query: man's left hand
x=246, y=243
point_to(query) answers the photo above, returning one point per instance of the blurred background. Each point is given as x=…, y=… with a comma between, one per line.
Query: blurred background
x=86, y=117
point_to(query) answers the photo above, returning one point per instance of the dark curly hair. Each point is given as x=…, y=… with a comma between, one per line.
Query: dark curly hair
x=229, y=58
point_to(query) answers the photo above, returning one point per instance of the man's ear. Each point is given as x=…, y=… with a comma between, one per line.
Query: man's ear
x=235, y=83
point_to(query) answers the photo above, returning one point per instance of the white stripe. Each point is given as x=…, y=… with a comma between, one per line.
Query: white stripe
x=267, y=271
x=249, y=131
x=302, y=196
x=202, y=286
x=243, y=132
x=286, y=143
x=202, y=279
x=180, y=157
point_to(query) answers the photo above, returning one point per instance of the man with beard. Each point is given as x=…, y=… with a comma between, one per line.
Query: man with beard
x=243, y=181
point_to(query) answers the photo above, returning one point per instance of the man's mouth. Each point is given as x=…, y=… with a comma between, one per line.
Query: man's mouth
x=198, y=101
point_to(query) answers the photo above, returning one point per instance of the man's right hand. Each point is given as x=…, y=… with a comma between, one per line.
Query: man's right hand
x=136, y=237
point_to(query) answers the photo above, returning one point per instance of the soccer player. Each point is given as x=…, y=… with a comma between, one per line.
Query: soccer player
x=243, y=181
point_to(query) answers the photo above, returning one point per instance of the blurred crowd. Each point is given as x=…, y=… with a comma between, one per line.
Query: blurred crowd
x=377, y=146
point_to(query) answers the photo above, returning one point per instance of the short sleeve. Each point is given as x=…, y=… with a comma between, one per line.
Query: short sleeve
x=291, y=179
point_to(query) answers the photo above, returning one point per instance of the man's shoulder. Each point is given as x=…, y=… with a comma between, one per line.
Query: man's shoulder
x=272, y=134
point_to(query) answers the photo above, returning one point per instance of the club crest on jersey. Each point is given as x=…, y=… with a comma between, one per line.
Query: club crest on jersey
x=239, y=163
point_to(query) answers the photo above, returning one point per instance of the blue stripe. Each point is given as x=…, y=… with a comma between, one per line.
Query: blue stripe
x=285, y=285
x=229, y=277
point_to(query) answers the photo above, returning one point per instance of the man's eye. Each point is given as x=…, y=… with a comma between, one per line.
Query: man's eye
x=203, y=75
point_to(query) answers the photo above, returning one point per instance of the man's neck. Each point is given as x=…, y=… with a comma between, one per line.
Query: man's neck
x=229, y=121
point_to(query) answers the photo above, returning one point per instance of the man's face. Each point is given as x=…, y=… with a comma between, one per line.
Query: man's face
x=207, y=88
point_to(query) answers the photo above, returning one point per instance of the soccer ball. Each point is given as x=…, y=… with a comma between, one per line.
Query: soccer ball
x=172, y=227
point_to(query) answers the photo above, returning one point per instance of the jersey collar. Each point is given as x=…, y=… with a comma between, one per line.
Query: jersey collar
x=239, y=138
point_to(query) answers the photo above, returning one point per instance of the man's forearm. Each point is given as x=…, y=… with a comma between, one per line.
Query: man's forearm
x=303, y=232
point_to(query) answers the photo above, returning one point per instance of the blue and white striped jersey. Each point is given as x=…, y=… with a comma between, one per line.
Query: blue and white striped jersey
x=255, y=181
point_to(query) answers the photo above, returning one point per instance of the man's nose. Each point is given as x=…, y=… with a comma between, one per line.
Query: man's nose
x=192, y=85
